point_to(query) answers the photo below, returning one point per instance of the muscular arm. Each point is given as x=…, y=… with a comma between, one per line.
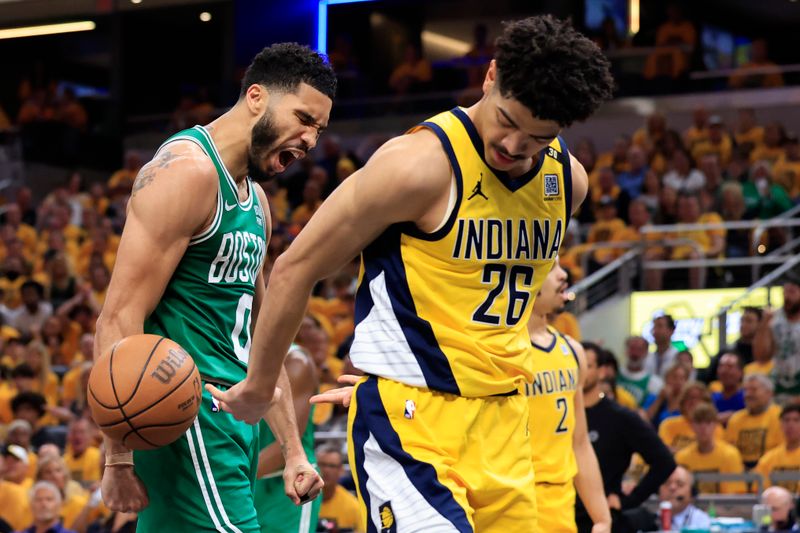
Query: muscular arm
x=387, y=190
x=173, y=198
x=304, y=381
x=588, y=481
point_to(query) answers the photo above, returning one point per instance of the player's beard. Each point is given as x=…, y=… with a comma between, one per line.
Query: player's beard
x=262, y=141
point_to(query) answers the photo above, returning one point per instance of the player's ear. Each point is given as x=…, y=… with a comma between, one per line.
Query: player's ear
x=491, y=77
x=257, y=98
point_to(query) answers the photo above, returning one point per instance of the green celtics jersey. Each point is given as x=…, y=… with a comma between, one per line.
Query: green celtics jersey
x=207, y=305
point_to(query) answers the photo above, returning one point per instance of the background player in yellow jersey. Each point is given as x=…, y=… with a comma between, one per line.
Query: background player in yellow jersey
x=438, y=428
x=562, y=452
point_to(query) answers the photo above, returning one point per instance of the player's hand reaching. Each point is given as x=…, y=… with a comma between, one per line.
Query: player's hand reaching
x=243, y=403
x=340, y=396
x=300, y=481
x=122, y=490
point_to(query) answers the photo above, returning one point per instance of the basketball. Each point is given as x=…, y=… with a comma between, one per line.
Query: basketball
x=145, y=392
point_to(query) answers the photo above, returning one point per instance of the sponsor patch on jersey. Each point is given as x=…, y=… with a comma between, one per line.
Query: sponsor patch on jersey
x=388, y=524
x=551, y=185
x=410, y=408
x=259, y=215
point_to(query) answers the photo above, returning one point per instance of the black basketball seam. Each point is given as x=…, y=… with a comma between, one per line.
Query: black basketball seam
x=116, y=396
x=141, y=374
x=128, y=434
x=167, y=395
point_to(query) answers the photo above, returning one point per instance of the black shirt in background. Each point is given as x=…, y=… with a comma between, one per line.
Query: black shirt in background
x=616, y=434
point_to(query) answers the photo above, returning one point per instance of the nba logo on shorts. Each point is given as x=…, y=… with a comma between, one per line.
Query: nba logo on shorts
x=214, y=405
x=410, y=408
x=388, y=525
x=551, y=185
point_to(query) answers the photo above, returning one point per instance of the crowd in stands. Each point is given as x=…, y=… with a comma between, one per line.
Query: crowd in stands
x=709, y=173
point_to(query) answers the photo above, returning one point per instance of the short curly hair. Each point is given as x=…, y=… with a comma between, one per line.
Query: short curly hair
x=552, y=69
x=284, y=66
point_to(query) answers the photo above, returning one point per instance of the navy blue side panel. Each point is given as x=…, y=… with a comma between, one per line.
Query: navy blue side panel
x=567, y=181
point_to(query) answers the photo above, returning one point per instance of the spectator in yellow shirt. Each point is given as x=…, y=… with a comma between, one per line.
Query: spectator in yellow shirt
x=20, y=433
x=763, y=361
x=82, y=459
x=676, y=431
x=698, y=131
x=786, y=171
x=756, y=428
x=311, y=202
x=784, y=457
x=16, y=465
x=719, y=142
x=24, y=232
x=711, y=243
x=14, y=507
x=772, y=149
x=711, y=455
x=338, y=506
x=759, y=71
x=748, y=132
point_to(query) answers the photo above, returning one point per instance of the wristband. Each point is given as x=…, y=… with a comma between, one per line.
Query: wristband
x=119, y=459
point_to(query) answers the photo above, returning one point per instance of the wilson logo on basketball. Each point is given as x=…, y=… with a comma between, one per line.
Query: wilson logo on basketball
x=166, y=369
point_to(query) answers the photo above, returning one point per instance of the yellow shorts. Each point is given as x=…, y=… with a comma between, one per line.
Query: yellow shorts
x=556, y=508
x=428, y=461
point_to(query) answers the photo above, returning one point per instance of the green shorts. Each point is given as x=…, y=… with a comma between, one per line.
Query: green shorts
x=204, y=481
x=277, y=513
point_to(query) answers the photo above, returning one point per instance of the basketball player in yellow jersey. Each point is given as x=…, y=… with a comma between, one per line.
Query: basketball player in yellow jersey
x=458, y=223
x=562, y=452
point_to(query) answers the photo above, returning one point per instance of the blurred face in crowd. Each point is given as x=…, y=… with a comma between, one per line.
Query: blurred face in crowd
x=606, y=179
x=772, y=134
x=591, y=374
x=331, y=467
x=15, y=470
x=651, y=185
x=791, y=298
x=715, y=133
x=87, y=346
x=512, y=136
x=552, y=293
x=779, y=501
x=748, y=325
x=757, y=396
x=681, y=163
x=30, y=297
x=729, y=372
x=675, y=379
x=790, y=426
x=79, y=436
x=620, y=150
x=661, y=332
x=638, y=214
x=685, y=358
x=585, y=153
x=55, y=473
x=636, y=158
x=704, y=431
x=636, y=352
x=45, y=505
x=700, y=118
x=21, y=436
x=48, y=450
x=693, y=397
x=33, y=356
x=688, y=209
x=677, y=490
x=747, y=119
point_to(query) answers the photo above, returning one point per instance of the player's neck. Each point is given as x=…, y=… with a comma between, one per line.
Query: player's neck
x=537, y=327
x=231, y=140
x=792, y=445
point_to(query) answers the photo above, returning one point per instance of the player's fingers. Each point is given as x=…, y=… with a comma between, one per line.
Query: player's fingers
x=348, y=379
x=215, y=392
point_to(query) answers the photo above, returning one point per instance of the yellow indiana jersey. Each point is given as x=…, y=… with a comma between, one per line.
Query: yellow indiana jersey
x=780, y=459
x=448, y=310
x=551, y=401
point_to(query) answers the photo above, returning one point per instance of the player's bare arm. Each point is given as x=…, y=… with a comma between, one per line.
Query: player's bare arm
x=580, y=182
x=389, y=189
x=173, y=198
x=588, y=480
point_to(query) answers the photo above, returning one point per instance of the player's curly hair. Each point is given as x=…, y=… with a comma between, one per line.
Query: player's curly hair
x=552, y=69
x=284, y=66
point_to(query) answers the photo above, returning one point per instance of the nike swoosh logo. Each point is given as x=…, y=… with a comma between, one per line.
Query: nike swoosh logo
x=228, y=206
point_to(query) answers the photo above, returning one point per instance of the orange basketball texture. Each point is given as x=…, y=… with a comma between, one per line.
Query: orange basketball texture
x=145, y=392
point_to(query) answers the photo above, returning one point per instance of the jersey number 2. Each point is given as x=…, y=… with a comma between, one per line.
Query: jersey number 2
x=244, y=317
x=561, y=405
x=515, y=295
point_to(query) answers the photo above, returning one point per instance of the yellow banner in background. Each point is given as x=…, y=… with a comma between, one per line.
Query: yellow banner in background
x=695, y=314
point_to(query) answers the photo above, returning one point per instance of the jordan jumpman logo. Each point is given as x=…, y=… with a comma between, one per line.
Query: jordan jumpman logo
x=476, y=191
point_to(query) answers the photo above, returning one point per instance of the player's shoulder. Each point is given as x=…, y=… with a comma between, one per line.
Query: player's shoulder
x=418, y=158
x=183, y=161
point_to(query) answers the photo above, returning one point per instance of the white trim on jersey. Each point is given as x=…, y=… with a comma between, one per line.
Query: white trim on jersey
x=387, y=481
x=379, y=345
x=201, y=482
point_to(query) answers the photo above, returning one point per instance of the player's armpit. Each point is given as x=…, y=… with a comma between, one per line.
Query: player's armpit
x=580, y=182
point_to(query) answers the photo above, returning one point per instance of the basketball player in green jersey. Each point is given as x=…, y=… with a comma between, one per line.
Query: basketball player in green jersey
x=447, y=286
x=273, y=515
x=189, y=268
